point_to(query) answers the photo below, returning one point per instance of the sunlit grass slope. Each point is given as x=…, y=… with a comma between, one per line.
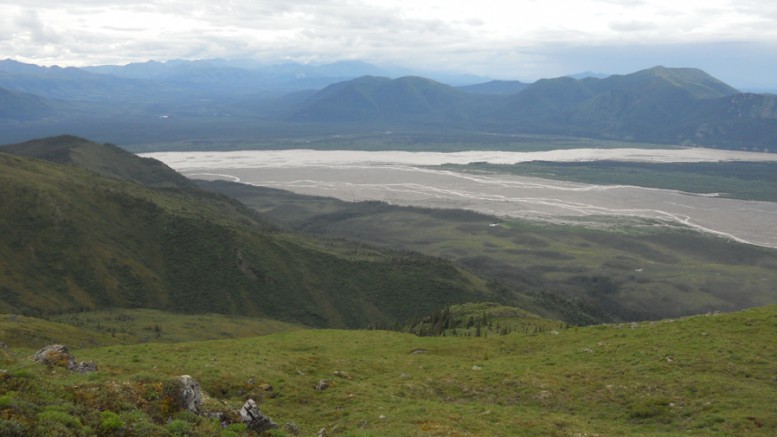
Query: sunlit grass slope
x=704, y=375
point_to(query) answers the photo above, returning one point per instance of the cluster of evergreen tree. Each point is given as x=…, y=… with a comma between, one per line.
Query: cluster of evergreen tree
x=443, y=322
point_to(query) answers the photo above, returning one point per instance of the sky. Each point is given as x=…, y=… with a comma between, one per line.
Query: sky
x=734, y=40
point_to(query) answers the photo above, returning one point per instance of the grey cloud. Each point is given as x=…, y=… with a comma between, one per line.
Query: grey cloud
x=623, y=2
x=760, y=8
x=31, y=25
x=328, y=30
x=632, y=26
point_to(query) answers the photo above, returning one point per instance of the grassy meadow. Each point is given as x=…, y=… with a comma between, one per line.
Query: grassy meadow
x=705, y=375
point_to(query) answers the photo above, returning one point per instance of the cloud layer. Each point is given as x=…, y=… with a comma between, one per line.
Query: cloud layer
x=501, y=38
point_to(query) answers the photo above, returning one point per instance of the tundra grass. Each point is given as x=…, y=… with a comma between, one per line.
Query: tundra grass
x=704, y=375
x=131, y=326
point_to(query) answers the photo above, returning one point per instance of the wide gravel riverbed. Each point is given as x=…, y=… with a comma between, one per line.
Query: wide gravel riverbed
x=399, y=178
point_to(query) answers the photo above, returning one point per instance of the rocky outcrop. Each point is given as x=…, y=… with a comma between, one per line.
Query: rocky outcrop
x=254, y=419
x=58, y=355
x=191, y=395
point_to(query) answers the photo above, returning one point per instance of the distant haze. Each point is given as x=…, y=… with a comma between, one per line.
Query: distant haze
x=734, y=40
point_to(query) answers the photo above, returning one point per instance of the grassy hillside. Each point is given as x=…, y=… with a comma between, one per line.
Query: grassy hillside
x=626, y=271
x=130, y=326
x=705, y=375
x=104, y=159
x=75, y=240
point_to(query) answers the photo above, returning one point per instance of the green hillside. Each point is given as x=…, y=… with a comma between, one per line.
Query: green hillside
x=75, y=240
x=104, y=159
x=704, y=375
x=625, y=270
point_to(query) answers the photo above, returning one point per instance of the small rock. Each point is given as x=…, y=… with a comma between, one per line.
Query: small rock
x=58, y=355
x=322, y=385
x=544, y=394
x=321, y=432
x=190, y=393
x=418, y=351
x=83, y=367
x=266, y=387
x=218, y=415
x=341, y=374
x=291, y=428
x=476, y=367
x=254, y=419
x=382, y=417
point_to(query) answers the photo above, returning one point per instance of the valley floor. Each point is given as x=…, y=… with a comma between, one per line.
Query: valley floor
x=397, y=178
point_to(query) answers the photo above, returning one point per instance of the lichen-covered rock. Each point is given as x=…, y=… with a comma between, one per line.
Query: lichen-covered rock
x=58, y=355
x=254, y=419
x=191, y=395
x=83, y=367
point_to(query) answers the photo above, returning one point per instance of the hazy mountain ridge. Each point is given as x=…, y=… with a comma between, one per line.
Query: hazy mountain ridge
x=498, y=87
x=668, y=105
x=174, y=101
x=409, y=99
x=16, y=105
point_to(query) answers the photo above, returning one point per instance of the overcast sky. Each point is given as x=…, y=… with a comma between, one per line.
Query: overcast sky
x=734, y=40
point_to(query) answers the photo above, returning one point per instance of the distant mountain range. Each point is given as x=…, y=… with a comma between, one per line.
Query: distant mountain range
x=665, y=105
x=227, y=100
